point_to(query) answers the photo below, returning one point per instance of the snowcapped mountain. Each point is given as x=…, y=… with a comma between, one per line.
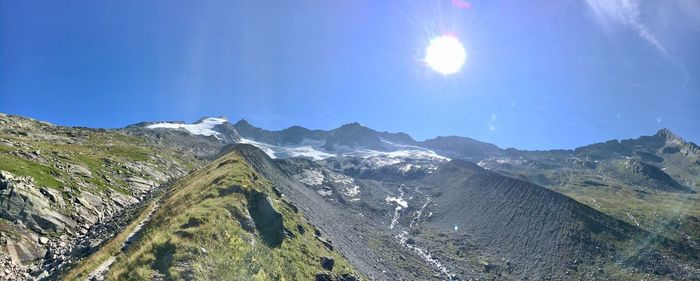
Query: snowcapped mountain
x=649, y=162
x=353, y=147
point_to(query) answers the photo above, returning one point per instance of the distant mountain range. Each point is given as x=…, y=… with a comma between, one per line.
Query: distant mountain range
x=643, y=156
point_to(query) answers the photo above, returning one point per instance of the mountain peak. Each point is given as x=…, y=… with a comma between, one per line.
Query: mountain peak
x=667, y=135
x=353, y=125
x=243, y=122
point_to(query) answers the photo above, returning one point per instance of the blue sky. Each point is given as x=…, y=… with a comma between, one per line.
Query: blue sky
x=538, y=75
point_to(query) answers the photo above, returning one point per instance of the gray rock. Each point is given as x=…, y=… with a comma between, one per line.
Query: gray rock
x=54, y=196
x=80, y=170
x=327, y=263
x=326, y=243
x=140, y=185
x=325, y=276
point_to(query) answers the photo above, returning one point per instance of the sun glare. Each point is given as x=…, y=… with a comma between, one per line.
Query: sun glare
x=445, y=54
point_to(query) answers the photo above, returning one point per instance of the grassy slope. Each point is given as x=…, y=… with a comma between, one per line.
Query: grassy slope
x=215, y=246
x=101, y=152
x=663, y=213
x=42, y=174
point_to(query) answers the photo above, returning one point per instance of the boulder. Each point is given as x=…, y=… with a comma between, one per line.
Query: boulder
x=327, y=263
x=330, y=276
x=326, y=243
x=350, y=277
x=80, y=170
x=325, y=276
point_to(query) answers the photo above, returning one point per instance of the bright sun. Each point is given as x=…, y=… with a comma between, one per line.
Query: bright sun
x=445, y=54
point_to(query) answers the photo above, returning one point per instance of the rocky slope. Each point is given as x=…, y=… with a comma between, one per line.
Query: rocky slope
x=57, y=183
x=542, y=234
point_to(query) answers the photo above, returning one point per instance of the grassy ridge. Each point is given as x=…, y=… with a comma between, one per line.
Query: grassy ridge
x=199, y=233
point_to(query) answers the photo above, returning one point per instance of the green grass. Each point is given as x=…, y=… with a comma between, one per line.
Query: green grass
x=92, y=152
x=655, y=211
x=43, y=175
x=131, y=152
x=171, y=246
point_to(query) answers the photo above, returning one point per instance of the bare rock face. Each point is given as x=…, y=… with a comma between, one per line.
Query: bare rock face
x=21, y=200
x=40, y=212
x=140, y=185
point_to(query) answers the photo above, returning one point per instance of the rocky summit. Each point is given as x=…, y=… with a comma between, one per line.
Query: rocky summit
x=214, y=200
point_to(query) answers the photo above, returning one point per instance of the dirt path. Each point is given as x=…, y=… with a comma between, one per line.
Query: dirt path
x=101, y=270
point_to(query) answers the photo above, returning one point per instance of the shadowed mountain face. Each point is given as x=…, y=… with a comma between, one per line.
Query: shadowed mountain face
x=292, y=135
x=349, y=135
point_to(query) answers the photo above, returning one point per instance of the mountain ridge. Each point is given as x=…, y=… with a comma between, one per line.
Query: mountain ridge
x=355, y=134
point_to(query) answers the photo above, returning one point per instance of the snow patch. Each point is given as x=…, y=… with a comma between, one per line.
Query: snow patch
x=393, y=157
x=262, y=146
x=275, y=151
x=400, y=203
x=203, y=127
